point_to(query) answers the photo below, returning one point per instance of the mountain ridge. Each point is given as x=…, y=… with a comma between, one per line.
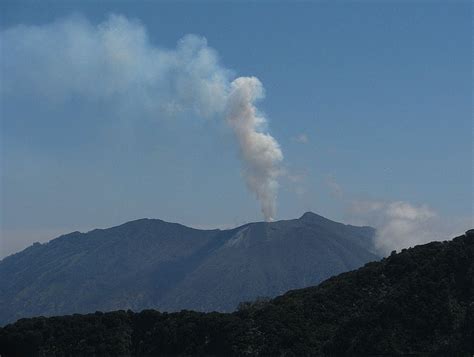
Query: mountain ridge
x=150, y=263
x=308, y=216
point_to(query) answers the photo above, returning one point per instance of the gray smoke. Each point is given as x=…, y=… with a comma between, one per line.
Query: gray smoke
x=260, y=152
x=115, y=66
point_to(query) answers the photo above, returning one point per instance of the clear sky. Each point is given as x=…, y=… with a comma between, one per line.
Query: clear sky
x=369, y=102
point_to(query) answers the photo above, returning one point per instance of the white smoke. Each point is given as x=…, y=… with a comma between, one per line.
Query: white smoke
x=398, y=224
x=402, y=224
x=260, y=152
x=115, y=66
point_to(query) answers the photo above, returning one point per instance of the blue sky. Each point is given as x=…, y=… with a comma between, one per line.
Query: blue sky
x=369, y=102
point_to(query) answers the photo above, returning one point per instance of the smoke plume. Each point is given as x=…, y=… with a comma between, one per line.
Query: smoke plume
x=403, y=224
x=259, y=151
x=398, y=224
x=114, y=67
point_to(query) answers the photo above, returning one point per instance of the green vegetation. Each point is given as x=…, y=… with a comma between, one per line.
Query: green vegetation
x=419, y=301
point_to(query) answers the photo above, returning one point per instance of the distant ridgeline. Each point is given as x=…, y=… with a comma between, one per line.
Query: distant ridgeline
x=419, y=301
x=152, y=264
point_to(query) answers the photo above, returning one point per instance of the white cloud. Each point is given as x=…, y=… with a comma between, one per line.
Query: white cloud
x=398, y=224
x=402, y=224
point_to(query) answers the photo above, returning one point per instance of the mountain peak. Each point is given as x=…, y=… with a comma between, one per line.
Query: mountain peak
x=311, y=216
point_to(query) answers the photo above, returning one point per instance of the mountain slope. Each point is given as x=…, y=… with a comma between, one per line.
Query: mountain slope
x=155, y=264
x=417, y=302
